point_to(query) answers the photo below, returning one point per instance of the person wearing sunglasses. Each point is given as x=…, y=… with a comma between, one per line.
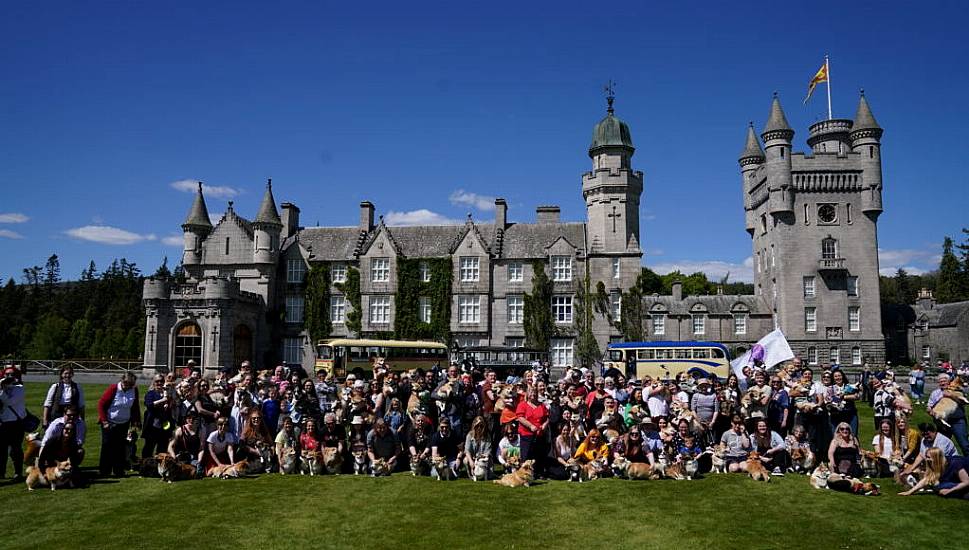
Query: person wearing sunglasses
x=843, y=455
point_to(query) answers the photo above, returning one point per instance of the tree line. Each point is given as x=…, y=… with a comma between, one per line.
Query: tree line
x=98, y=316
x=949, y=283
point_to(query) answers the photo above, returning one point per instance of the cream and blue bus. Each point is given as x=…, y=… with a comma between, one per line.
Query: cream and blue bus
x=667, y=359
x=341, y=356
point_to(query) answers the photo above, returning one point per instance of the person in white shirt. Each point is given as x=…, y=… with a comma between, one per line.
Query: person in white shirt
x=61, y=394
x=117, y=410
x=13, y=409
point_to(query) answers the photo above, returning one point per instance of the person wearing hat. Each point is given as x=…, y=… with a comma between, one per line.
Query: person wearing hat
x=13, y=410
x=158, y=418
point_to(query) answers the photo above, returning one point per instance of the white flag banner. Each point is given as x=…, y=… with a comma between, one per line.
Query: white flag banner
x=776, y=350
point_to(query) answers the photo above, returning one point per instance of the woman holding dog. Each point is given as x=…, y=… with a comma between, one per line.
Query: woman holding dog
x=477, y=443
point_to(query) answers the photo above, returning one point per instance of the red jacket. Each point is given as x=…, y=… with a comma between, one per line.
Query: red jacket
x=108, y=397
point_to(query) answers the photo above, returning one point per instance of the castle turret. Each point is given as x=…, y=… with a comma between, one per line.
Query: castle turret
x=777, y=136
x=266, y=229
x=612, y=189
x=196, y=228
x=866, y=140
x=751, y=158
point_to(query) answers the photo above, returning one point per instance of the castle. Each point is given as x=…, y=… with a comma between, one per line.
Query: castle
x=812, y=218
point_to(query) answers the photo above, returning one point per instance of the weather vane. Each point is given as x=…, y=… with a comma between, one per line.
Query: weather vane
x=610, y=89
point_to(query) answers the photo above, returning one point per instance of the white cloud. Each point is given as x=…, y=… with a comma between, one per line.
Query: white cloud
x=912, y=260
x=714, y=269
x=13, y=217
x=173, y=240
x=105, y=234
x=422, y=216
x=217, y=191
x=8, y=234
x=467, y=198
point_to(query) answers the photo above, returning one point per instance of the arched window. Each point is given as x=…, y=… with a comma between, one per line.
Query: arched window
x=188, y=345
x=829, y=249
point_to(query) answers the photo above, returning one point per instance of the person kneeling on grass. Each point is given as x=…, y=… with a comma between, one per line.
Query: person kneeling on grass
x=61, y=447
x=445, y=443
x=382, y=443
x=738, y=445
x=770, y=445
x=221, y=445
x=950, y=475
x=186, y=446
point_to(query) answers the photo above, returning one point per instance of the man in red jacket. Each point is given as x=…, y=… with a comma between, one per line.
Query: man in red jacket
x=117, y=410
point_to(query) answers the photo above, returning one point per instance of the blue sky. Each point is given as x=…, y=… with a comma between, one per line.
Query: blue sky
x=430, y=110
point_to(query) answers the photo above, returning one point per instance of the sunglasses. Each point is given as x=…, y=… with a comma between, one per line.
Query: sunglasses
x=844, y=430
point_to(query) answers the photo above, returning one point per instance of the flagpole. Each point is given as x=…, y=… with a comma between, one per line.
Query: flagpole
x=827, y=69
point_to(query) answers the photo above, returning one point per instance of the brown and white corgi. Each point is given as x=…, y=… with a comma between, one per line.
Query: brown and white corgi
x=171, y=470
x=755, y=468
x=332, y=460
x=58, y=475
x=522, y=477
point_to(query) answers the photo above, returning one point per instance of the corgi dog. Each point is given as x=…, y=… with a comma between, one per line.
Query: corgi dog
x=332, y=460
x=691, y=465
x=481, y=468
x=594, y=469
x=512, y=463
x=380, y=467
x=522, y=477
x=819, y=477
x=33, y=448
x=289, y=461
x=676, y=470
x=311, y=463
x=622, y=467
x=58, y=475
x=750, y=399
x=171, y=470
x=360, y=460
x=575, y=470
x=952, y=400
x=227, y=471
x=148, y=467
x=610, y=435
x=718, y=458
x=441, y=469
x=756, y=469
x=418, y=466
x=802, y=459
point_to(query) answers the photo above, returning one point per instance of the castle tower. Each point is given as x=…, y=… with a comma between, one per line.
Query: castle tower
x=612, y=189
x=196, y=228
x=815, y=235
x=266, y=229
x=751, y=160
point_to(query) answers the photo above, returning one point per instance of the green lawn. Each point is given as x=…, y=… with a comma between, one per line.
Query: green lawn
x=725, y=511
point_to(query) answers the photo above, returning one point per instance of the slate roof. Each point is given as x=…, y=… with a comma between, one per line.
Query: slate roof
x=752, y=148
x=330, y=243
x=776, y=121
x=198, y=214
x=267, y=209
x=720, y=304
x=944, y=315
x=529, y=240
x=864, y=120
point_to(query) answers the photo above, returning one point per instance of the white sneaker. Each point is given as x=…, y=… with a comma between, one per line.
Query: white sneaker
x=777, y=472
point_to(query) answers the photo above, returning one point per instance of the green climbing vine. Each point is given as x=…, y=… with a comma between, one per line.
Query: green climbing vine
x=351, y=291
x=585, y=306
x=317, y=314
x=539, y=325
x=411, y=289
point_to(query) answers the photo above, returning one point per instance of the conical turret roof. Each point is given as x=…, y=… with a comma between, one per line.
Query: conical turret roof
x=752, y=148
x=267, y=210
x=776, y=121
x=864, y=120
x=198, y=215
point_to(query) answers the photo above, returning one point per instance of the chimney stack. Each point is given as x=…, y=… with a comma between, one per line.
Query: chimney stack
x=547, y=214
x=290, y=220
x=366, y=216
x=501, y=213
x=677, y=290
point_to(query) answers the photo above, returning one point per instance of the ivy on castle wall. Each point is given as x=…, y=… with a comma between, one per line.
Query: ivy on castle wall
x=410, y=290
x=317, y=313
x=351, y=291
x=585, y=305
x=538, y=323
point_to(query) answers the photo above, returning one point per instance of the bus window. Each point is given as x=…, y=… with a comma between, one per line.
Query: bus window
x=616, y=355
x=357, y=353
x=667, y=354
x=682, y=354
x=717, y=353
x=325, y=352
x=701, y=354
x=645, y=354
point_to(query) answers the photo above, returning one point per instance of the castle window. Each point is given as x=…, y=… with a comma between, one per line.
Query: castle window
x=740, y=323
x=871, y=151
x=834, y=356
x=338, y=273
x=425, y=272
x=424, y=309
x=926, y=352
x=516, y=272
x=616, y=307
x=515, y=342
x=812, y=355
x=829, y=249
x=561, y=268
x=227, y=246
x=763, y=223
x=470, y=270
x=615, y=268
x=856, y=355
x=852, y=286
x=338, y=309
x=772, y=261
x=469, y=310
x=516, y=310
x=379, y=270
x=295, y=270
x=294, y=309
x=562, y=352
x=293, y=351
x=854, y=318
x=807, y=214
x=848, y=213
x=188, y=345
x=562, y=309
x=659, y=324
x=379, y=310
x=810, y=319
x=809, y=288
x=782, y=152
x=699, y=323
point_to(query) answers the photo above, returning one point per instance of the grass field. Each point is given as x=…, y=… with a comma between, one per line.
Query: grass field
x=272, y=511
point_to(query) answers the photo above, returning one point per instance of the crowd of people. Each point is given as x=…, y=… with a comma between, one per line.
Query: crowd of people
x=463, y=421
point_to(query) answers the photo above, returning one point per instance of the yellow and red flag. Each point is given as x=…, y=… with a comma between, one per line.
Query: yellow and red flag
x=819, y=77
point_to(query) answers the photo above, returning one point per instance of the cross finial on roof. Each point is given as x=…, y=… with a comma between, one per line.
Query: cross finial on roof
x=610, y=89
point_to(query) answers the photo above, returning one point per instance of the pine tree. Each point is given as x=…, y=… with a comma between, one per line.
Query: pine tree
x=951, y=285
x=163, y=272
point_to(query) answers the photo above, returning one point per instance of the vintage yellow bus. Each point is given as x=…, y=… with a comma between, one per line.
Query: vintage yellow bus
x=667, y=359
x=345, y=355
